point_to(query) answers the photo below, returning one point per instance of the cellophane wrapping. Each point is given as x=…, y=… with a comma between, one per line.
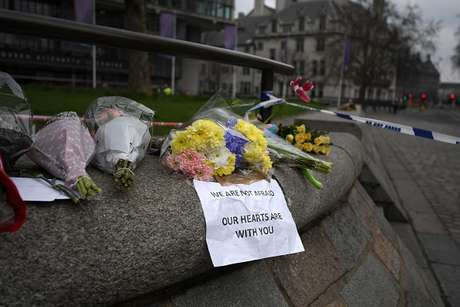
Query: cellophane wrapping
x=217, y=143
x=15, y=131
x=63, y=147
x=15, y=120
x=121, y=128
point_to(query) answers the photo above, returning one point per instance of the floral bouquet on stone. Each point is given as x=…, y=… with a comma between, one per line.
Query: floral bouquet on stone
x=218, y=145
x=64, y=148
x=15, y=121
x=308, y=140
x=15, y=140
x=120, y=127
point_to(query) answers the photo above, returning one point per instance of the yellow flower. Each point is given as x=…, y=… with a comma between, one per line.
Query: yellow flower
x=322, y=139
x=325, y=149
x=180, y=142
x=299, y=146
x=308, y=147
x=253, y=153
x=301, y=138
x=226, y=169
x=201, y=135
x=266, y=164
x=251, y=132
x=289, y=138
x=301, y=129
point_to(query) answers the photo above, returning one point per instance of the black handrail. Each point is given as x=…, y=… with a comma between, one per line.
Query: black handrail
x=42, y=26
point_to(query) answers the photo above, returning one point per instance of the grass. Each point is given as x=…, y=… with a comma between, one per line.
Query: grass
x=50, y=100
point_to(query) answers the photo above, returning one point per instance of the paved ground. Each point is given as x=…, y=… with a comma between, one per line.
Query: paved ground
x=427, y=176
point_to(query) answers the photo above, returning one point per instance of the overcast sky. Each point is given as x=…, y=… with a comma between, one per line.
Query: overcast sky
x=444, y=10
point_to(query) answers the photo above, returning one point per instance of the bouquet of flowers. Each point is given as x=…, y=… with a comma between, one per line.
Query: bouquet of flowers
x=280, y=150
x=120, y=127
x=308, y=140
x=283, y=151
x=15, y=131
x=64, y=148
x=15, y=121
x=218, y=144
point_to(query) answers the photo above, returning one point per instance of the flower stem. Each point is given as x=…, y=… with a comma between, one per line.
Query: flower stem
x=311, y=179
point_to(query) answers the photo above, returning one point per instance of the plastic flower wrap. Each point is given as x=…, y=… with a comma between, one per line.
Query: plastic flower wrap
x=217, y=144
x=120, y=127
x=308, y=140
x=15, y=128
x=64, y=148
x=284, y=151
x=15, y=120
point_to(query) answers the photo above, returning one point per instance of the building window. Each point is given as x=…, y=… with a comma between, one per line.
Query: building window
x=273, y=54
x=302, y=68
x=320, y=90
x=299, y=46
x=247, y=49
x=283, y=45
x=302, y=24
x=274, y=26
x=245, y=88
x=322, y=68
x=4, y=4
x=262, y=29
x=287, y=28
x=203, y=68
x=322, y=22
x=320, y=44
x=294, y=63
x=260, y=46
x=314, y=66
x=280, y=87
x=245, y=71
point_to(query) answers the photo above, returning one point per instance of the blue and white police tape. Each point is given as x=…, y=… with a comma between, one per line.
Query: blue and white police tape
x=404, y=129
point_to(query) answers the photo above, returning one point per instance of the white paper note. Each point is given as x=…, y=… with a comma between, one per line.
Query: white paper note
x=247, y=222
x=34, y=189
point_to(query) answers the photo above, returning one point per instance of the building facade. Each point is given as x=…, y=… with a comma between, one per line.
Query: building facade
x=418, y=75
x=299, y=33
x=48, y=60
x=296, y=32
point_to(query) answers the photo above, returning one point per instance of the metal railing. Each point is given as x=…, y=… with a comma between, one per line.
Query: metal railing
x=49, y=27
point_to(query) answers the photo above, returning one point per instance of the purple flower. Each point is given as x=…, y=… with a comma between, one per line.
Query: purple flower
x=232, y=122
x=235, y=144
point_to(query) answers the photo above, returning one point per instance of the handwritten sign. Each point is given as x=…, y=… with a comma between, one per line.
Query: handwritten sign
x=247, y=222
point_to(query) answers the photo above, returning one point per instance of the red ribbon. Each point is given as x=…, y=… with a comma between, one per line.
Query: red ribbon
x=14, y=200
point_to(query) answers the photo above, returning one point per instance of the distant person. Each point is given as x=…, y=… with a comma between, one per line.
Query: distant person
x=394, y=106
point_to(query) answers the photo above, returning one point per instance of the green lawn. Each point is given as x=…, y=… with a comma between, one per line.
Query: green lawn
x=53, y=99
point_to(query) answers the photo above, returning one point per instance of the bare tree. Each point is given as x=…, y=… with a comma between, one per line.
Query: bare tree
x=378, y=31
x=456, y=56
x=138, y=61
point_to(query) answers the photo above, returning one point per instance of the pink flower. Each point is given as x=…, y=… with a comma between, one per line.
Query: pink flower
x=302, y=91
x=193, y=164
x=172, y=162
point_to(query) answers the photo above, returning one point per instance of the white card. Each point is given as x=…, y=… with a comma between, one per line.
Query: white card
x=247, y=222
x=35, y=189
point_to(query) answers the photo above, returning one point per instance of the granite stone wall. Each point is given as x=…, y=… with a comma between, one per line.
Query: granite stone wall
x=353, y=258
x=147, y=247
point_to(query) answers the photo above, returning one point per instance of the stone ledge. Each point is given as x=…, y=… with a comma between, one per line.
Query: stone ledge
x=375, y=176
x=120, y=246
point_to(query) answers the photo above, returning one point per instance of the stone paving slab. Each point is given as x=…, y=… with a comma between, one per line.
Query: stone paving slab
x=449, y=276
x=407, y=235
x=440, y=248
x=427, y=175
x=381, y=292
